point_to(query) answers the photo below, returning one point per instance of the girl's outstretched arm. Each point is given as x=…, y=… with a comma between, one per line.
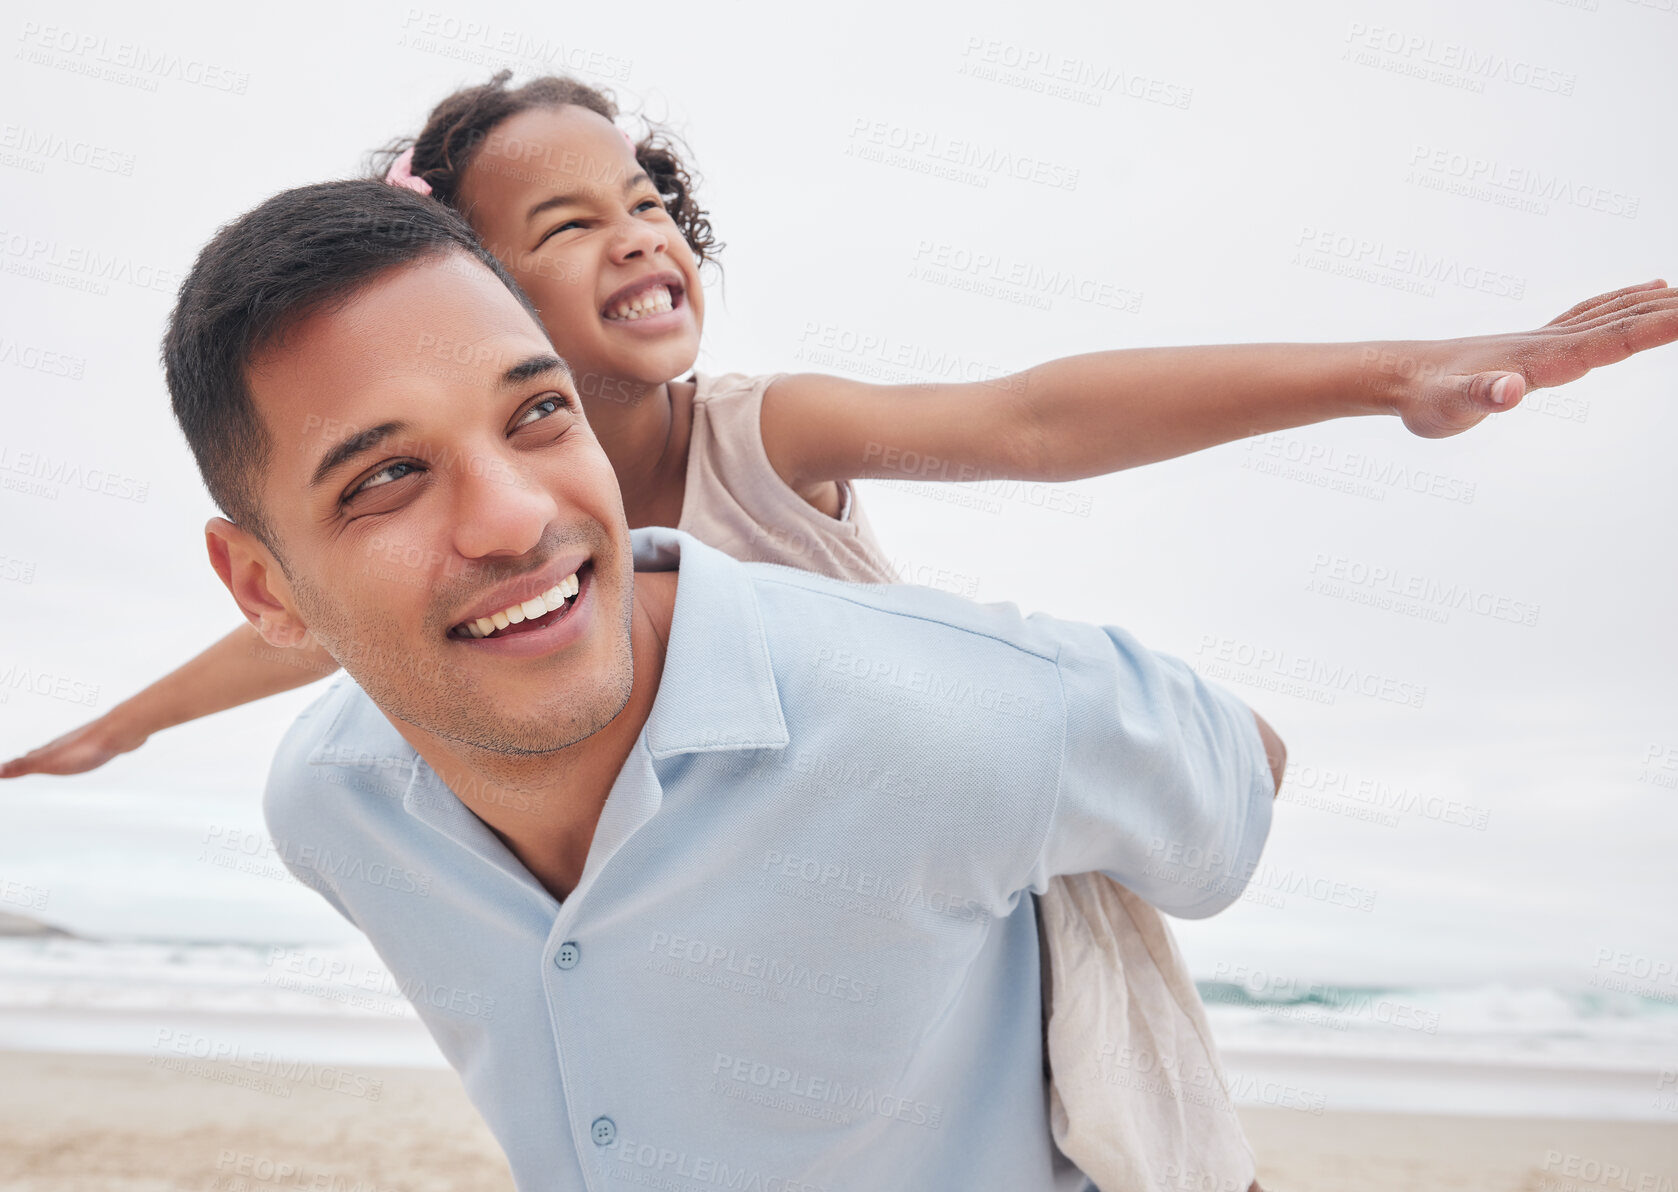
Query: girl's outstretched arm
x=1087, y=415
x=239, y=668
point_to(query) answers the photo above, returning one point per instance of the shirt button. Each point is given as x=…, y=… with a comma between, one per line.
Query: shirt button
x=604, y=1131
x=567, y=956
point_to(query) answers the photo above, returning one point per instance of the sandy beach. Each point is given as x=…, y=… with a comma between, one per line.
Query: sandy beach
x=80, y=1123
x=76, y=1123
x=1379, y=1152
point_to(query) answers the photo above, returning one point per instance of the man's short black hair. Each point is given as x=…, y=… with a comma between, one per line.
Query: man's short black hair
x=301, y=251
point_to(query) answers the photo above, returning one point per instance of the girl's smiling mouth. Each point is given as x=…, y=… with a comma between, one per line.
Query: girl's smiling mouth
x=646, y=299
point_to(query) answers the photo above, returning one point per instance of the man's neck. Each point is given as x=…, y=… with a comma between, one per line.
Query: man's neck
x=545, y=808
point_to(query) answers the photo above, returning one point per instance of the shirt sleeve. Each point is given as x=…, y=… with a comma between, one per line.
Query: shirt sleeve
x=322, y=885
x=1163, y=784
x=293, y=791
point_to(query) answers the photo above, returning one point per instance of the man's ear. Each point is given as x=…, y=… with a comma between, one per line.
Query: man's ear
x=257, y=583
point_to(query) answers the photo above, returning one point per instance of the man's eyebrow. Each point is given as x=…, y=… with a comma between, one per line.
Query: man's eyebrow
x=535, y=366
x=562, y=200
x=355, y=445
x=364, y=441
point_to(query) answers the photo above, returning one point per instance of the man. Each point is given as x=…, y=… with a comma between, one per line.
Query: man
x=734, y=855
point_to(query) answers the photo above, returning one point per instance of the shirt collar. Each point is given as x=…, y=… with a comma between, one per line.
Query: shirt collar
x=717, y=692
x=361, y=736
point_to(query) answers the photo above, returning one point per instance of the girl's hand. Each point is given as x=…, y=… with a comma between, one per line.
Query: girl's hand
x=77, y=751
x=1443, y=387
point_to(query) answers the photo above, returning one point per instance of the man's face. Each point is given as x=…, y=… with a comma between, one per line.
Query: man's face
x=460, y=479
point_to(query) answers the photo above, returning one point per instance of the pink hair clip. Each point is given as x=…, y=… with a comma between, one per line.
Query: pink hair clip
x=401, y=173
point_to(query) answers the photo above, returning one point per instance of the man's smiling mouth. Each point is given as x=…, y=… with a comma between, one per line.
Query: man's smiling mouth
x=536, y=613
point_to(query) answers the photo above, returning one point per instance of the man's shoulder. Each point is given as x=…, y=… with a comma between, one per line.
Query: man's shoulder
x=948, y=619
x=916, y=667
x=338, y=745
x=342, y=725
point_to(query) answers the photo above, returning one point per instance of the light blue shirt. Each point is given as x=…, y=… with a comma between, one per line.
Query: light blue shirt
x=799, y=956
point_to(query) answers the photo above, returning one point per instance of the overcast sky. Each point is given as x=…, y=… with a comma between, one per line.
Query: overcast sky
x=1503, y=798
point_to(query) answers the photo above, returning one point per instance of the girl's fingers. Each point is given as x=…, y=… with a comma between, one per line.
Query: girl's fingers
x=15, y=768
x=1658, y=310
x=1623, y=302
x=1608, y=340
x=1587, y=304
x=1616, y=339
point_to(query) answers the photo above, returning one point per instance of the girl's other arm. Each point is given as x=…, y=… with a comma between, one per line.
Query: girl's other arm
x=239, y=668
x=1087, y=415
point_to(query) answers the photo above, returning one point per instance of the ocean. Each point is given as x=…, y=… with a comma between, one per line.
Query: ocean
x=182, y=933
x=1492, y=1050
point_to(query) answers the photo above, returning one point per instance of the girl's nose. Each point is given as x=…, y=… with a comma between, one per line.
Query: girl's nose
x=637, y=238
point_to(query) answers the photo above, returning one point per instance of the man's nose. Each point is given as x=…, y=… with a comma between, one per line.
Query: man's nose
x=500, y=509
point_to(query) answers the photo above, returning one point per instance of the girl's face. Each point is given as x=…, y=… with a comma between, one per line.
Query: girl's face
x=557, y=195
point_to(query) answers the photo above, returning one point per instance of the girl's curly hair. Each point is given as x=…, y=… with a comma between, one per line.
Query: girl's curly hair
x=460, y=124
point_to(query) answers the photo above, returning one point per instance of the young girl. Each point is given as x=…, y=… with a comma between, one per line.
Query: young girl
x=606, y=237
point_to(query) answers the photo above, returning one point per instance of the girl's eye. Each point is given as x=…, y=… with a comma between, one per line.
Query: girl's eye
x=552, y=404
x=373, y=481
x=644, y=204
x=568, y=224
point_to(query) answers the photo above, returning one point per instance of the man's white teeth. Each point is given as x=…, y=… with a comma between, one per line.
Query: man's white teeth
x=537, y=606
x=648, y=302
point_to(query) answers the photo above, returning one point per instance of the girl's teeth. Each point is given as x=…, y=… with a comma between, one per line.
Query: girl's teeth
x=653, y=302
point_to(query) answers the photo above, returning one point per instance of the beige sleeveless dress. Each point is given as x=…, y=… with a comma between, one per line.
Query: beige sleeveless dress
x=1137, y=1095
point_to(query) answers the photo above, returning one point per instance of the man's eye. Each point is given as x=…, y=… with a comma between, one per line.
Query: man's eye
x=374, y=480
x=551, y=405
